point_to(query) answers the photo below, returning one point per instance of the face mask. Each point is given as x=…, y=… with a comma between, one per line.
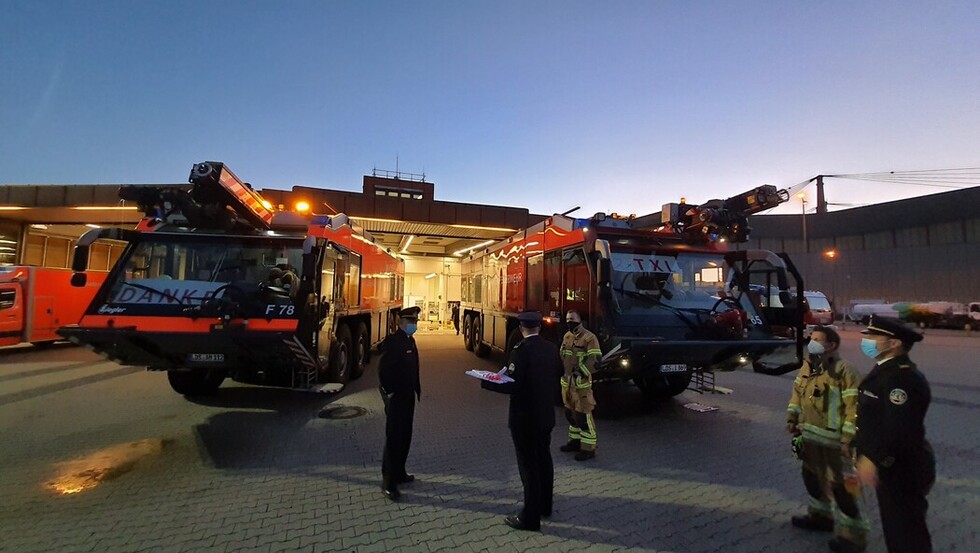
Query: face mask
x=869, y=347
x=573, y=326
x=815, y=348
x=410, y=328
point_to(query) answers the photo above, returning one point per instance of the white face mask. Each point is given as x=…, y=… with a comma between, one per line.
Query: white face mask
x=815, y=348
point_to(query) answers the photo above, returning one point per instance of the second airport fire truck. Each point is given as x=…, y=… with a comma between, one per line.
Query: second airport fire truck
x=213, y=284
x=665, y=294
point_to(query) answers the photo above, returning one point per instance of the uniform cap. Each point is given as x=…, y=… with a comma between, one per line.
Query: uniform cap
x=529, y=319
x=410, y=312
x=891, y=327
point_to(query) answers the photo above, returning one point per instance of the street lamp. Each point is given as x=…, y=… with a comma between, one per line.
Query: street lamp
x=806, y=245
x=830, y=255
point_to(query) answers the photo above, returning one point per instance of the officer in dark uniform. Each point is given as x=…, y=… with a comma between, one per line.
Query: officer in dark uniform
x=893, y=454
x=398, y=372
x=536, y=368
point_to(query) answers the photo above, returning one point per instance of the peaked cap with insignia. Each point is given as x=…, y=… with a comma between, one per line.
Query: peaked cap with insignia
x=410, y=313
x=892, y=328
x=529, y=319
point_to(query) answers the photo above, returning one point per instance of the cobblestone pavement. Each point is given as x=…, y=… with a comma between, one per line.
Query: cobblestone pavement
x=255, y=469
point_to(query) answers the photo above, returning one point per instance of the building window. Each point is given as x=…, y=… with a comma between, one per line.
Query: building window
x=393, y=192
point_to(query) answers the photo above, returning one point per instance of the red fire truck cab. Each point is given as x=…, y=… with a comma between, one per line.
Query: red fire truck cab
x=212, y=285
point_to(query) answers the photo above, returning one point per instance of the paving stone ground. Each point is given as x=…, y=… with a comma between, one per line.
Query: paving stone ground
x=255, y=469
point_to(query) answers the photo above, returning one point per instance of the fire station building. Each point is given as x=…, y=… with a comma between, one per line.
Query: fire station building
x=919, y=249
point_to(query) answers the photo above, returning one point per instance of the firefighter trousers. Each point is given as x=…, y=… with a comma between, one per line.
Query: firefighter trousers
x=581, y=428
x=823, y=476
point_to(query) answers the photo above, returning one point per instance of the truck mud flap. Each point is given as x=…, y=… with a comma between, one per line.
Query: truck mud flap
x=231, y=350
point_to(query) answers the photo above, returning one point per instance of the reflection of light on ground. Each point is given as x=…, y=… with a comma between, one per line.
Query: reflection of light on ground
x=82, y=474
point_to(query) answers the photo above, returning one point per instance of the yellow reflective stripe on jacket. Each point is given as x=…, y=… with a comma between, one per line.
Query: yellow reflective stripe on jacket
x=833, y=408
x=821, y=436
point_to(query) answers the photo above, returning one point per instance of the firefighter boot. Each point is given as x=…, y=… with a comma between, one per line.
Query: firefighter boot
x=585, y=455
x=810, y=522
x=572, y=445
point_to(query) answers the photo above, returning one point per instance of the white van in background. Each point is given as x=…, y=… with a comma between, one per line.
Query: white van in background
x=821, y=309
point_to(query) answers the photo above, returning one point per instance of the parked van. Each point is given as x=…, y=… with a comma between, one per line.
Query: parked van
x=821, y=311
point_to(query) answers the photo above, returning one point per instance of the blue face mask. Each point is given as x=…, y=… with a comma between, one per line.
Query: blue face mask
x=410, y=328
x=869, y=347
x=815, y=348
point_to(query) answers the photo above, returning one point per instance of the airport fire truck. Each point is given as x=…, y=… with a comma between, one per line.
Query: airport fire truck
x=35, y=301
x=666, y=294
x=213, y=284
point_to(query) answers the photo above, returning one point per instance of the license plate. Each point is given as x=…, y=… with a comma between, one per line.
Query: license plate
x=677, y=368
x=206, y=358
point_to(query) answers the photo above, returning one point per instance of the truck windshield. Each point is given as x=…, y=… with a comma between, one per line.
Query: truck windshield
x=681, y=280
x=173, y=270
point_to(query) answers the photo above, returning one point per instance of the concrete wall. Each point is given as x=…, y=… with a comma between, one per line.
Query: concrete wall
x=921, y=249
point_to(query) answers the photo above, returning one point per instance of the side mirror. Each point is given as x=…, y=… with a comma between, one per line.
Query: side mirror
x=309, y=266
x=79, y=261
x=603, y=271
x=78, y=280
x=603, y=277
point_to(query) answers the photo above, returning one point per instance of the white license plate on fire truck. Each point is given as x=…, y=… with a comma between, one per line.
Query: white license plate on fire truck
x=206, y=358
x=676, y=368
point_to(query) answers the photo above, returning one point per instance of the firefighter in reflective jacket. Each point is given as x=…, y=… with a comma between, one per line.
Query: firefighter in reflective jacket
x=893, y=453
x=822, y=411
x=580, y=354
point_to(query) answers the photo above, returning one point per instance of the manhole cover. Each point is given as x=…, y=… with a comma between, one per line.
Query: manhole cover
x=341, y=412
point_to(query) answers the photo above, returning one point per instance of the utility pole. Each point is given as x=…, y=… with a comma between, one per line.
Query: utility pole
x=821, y=198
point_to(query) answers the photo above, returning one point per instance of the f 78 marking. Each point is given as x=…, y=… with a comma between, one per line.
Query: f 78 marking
x=285, y=309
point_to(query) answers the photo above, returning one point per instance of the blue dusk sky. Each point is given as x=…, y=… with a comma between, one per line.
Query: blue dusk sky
x=612, y=106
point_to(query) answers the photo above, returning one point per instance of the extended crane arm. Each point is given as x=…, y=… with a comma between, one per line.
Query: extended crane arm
x=216, y=199
x=723, y=219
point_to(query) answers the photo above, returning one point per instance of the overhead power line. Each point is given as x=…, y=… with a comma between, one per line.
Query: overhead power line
x=964, y=177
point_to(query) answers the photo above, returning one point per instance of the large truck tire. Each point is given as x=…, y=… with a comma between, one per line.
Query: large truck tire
x=343, y=356
x=362, y=351
x=479, y=348
x=468, y=333
x=662, y=387
x=198, y=382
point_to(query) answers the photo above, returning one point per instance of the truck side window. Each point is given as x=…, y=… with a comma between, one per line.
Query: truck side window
x=552, y=282
x=7, y=298
x=578, y=283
